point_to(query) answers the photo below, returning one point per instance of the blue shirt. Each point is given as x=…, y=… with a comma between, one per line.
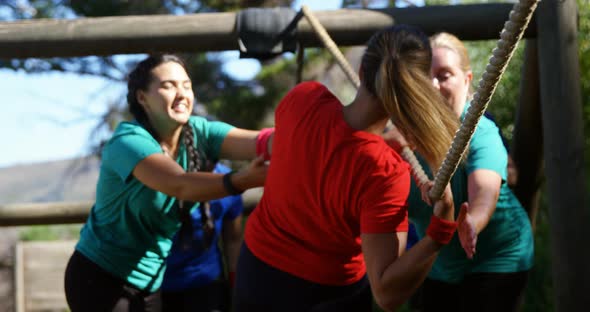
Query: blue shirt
x=506, y=243
x=197, y=266
x=130, y=227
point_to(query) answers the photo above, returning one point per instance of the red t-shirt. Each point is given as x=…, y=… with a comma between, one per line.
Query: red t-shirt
x=327, y=183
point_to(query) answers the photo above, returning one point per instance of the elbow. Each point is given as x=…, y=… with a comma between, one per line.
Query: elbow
x=389, y=301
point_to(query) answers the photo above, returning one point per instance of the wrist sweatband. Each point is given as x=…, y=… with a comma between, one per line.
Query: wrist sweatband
x=262, y=142
x=232, y=279
x=230, y=188
x=441, y=230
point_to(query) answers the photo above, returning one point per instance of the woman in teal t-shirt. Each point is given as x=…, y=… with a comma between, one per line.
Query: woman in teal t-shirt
x=488, y=273
x=150, y=180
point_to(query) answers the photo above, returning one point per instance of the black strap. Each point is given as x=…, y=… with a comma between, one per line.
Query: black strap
x=229, y=186
x=266, y=33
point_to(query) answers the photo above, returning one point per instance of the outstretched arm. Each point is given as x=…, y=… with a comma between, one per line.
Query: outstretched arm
x=241, y=144
x=394, y=274
x=483, y=188
x=161, y=173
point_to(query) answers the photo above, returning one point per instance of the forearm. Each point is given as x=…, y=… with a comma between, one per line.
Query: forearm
x=196, y=186
x=481, y=212
x=395, y=274
x=204, y=186
x=406, y=274
x=483, y=191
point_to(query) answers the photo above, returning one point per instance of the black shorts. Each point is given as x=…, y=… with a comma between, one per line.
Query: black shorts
x=90, y=288
x=260, y=287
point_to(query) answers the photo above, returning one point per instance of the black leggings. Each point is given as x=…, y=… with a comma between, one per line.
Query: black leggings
x=90, y=288
x=212, y=297
x=260, y=287
x=478, y=292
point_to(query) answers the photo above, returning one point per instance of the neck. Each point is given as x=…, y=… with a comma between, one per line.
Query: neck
x=169, y=140
x=365, y=113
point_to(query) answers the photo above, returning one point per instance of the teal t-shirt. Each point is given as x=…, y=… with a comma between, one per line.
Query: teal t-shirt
x=130, y=228
x=506, y=243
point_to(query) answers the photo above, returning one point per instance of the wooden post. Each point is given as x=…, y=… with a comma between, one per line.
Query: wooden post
x=19, y=280
x=563, y=146
x=527, y=144
x=216, y=31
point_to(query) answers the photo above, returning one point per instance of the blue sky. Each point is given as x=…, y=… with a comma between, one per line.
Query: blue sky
x=48, y=117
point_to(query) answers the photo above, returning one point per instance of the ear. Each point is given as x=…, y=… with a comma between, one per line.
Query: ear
x=469, y=76
x=141, y=97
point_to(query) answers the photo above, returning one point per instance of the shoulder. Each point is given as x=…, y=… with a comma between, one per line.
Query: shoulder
x=487, y=126
x=377, y=157
x=486, y=149
x=129, y=144
x=130, y=133
x=306, y=94
x=487, y=135
x=129, y=128
x=205, y=127
x=309, y=87
x=197, y=122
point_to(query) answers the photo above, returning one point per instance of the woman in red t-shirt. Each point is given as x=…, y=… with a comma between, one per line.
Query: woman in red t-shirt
x=332, y=223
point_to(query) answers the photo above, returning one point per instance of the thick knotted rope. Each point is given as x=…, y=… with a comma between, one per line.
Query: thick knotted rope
x=509, y=37
x=331, y=46
x=514, y=28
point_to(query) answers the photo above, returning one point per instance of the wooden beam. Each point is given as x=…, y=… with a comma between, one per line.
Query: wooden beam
x=77, y=212
x=44, y=213
x=563, y=146
x=216, y=31
x=527, y=143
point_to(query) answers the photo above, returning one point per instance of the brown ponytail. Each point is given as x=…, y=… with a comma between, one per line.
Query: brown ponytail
x=396, y=70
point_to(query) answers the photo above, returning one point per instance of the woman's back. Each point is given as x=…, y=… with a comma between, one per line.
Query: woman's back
x=323, y=188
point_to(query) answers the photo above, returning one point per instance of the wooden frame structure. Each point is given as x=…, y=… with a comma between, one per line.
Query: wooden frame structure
x=550, y=99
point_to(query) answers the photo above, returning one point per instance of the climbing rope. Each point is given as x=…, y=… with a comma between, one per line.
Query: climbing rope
x=514, y=28
x=417, y=171
x=331, y=46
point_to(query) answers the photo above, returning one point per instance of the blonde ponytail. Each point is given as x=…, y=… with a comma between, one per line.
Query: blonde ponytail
x=399, y=60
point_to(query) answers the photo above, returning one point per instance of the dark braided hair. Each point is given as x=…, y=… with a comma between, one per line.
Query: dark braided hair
x=139, y=79
x=197, y=161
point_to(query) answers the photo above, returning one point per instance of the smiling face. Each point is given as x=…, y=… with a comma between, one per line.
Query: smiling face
x=449, y=77
x=168, y=99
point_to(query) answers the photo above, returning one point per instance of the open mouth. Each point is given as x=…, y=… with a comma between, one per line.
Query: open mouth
x=180, y=107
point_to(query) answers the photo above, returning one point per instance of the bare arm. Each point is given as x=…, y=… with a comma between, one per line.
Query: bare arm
x=232, y=241
x=483, y=190
x=393, y=274
x=240, y=144
x=161, y=173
